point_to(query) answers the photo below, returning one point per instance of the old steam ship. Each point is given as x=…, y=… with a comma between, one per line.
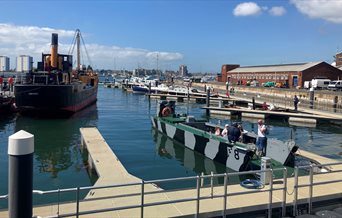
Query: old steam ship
x=55, y=87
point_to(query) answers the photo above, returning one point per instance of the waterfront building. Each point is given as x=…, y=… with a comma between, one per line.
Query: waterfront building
x=24, y=63
x=338, y=59
x=4, y=63
x=141, y=72
x=183, y=70
x=289, y=75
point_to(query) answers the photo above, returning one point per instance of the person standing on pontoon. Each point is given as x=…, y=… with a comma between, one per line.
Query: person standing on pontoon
x=295, y=102
x=261, y=142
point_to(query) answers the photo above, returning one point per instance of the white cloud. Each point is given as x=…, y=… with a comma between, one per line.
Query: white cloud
x=329, y=10
x=277, y=11
x=247, y=9
x=31, y=40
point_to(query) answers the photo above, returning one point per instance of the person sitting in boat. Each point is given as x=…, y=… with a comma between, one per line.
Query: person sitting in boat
x=264, y=106
x=234, y=133
x=217, y=131
x=225, y=131
x=243, y=138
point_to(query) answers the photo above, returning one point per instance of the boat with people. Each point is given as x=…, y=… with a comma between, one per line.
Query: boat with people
x=198, y=134
x=55, y=87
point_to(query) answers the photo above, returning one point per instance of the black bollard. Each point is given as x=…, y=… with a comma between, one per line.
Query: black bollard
x=335, y=103
x=312, y=97
x=20, y=178
x=208, y=102
x=149, y=90
x=253, y=103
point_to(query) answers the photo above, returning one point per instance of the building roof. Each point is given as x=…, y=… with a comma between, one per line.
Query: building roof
x=276, y=68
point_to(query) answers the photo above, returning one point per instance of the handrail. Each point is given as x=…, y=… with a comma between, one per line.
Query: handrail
x=198, y=187
x=311, y=183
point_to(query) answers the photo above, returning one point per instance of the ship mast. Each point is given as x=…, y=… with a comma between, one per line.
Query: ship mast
x=78, y=47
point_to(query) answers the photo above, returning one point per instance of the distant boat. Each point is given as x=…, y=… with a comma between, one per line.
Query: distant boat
x=140, y=89
x=56, y=87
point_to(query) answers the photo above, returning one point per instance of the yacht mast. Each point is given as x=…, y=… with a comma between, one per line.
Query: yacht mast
x=78, y=40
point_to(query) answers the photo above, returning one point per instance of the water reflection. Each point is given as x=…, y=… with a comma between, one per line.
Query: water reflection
x=56, y=140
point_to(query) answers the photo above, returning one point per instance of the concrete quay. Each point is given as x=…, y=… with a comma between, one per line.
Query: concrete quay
x=111, y=172
x=263, y=114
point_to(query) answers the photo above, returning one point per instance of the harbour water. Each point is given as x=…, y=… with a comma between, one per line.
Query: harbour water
x=123, y=120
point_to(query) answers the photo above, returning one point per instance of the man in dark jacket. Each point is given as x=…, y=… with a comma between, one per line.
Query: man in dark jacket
x=295, y=102
x=234, y=133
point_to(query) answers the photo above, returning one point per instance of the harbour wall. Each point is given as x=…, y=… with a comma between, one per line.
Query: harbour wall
x=323, y=99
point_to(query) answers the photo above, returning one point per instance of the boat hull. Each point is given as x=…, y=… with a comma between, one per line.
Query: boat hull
x=54, y=98
x=139, y=90
x=231, y=156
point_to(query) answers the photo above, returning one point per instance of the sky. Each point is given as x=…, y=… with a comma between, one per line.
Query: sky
x=163, y=34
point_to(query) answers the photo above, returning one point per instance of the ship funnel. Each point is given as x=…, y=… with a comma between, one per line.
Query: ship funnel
x=54, y=50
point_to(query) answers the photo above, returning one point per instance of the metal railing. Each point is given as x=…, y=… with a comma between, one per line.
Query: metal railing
x=287, y=102
x=311, y=183
x=199, y=186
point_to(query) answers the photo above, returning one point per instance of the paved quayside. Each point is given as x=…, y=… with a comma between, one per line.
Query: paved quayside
x=112, y=172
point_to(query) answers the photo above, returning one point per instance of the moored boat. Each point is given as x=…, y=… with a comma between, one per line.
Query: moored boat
x=140, y=89
x=55, y=87
x=197, y=135
x=6, y=104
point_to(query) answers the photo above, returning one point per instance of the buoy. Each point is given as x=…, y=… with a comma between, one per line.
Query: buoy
x=166, y=111
x=252, y=184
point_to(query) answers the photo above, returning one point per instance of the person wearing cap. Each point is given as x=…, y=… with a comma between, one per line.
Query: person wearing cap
x=234, y=133
x=261, y=142
x=225, y=131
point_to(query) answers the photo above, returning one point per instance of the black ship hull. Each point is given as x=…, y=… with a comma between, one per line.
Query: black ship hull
x=54, y=98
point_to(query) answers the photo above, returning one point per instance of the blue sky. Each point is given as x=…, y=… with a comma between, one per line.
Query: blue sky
x=201, y=34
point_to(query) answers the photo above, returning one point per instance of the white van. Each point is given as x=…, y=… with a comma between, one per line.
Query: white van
x=335, y=85
x=320, y=83
x=307, y=84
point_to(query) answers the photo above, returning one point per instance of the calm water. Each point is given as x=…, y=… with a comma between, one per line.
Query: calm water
x=123, y=120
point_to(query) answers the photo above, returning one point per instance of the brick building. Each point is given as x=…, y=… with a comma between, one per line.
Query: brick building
x=292, y=75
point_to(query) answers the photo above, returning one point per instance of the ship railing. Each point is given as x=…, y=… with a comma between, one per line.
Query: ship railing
x=199, y=180
x=40, y=79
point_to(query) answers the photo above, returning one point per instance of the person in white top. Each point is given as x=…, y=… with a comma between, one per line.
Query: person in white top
x=261, y=142
x=225, y=131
